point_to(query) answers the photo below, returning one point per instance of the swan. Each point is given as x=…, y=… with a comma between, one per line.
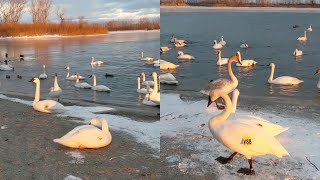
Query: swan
x=244, y=46
x=304, y=38
x=164, y=49
x=87, y=136
x=310, y=28
x=96, y=87
x=318, y=84
x=247, y=140
x=181, y=56
x=72, y=77
x=179, y=44
x=165, y=65
x=282, y=80
x=93, y=62
x=297, y=52
x=82, y=85
x=217, y=45
x=146, y=58
x=144, y=82
x=146, y=100
x=55, y=91
x=223, y=85
x=156, y=63
x=6, y=66
x=221, y=61
x=46, y=106
x=43, y=75
x=222, y=42
x=168, y=78
x=155, y=95
x=174, y=39
x=247, y=62
x=142, y=90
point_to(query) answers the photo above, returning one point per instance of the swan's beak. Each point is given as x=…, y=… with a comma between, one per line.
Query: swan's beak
x=209, y=101
x=31, y=80
x=90, y=123
x=269, y=65
x=90, y=76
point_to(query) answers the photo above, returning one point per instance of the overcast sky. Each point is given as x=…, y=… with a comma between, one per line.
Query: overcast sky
x=105, y=10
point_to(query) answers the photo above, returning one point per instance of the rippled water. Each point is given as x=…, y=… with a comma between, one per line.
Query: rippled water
x=271, y=38
x=120, y=51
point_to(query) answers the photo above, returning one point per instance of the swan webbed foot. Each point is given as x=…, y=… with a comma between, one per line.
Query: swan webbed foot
x=223, y=160
x=209, y=101
x=246, y=171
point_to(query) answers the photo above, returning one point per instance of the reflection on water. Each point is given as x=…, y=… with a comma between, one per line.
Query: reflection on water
x=284, y=90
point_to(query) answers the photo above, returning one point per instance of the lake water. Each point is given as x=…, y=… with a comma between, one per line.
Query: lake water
x=271, y=38
x=120, y=52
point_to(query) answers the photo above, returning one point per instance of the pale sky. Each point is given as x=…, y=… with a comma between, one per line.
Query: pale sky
x=104, y=10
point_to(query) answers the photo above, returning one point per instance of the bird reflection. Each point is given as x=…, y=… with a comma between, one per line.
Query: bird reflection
x=284, y=90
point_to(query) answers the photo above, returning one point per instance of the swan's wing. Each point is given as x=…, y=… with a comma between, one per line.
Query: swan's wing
x=217, y=84
x=73, y=132
x=287, y=80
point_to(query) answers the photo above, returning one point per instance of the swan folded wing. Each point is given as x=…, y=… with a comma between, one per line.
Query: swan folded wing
x=287, y=80
x=217, y=84
x=48, y=106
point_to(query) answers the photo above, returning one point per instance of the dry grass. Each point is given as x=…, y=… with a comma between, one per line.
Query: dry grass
x=142, y=24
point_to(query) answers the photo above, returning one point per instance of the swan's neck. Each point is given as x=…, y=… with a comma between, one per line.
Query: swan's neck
x=231, y=75
x=138, y=83
x=143, y=77
x=222, y=116
x=271, y=74
x=92, y=60
x=68, y=73
x=37, y=93
x=44, y=70
x=219, y=57
x=94, y=80
x=234, y=102
x=104, y=126
x=77, y=81
x=141, y=55
x=305, y=34
x=155, y=86
x=55, y=84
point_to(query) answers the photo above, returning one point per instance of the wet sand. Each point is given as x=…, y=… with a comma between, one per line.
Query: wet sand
x=28, y=152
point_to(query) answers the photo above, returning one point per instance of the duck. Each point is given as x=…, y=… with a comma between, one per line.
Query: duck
x=222, y=41
x=146, y=58
x=72, y=77
x=217, y=45
x=247, y=63
x=155, y=95
x=43, y=75
x=183, y=56
x=221, y=61
x=55, y=91
x=164, y=49
x=241, y=138
x=223, y=85
x=318, y=72
x=6, y=66
x=101, y=88
x=168, y=78
x=165, y=65
x=142, y=90
x=297, y=52
x=310, y=28
x=144, y=82
x=82, y=85
x=87, y=136
x=45, y=106
x=244, y=46
x=94, y=62
x=304, y=38
x=282, y=80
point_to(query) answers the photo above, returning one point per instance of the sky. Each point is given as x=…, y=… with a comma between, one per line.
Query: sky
x=104, y=10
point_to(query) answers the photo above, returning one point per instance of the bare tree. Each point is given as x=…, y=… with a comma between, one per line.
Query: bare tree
x=40, y=10
x=60, y=12
x=11, y=10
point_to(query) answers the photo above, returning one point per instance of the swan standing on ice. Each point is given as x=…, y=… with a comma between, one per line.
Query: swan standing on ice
x=304, y=38
x=247, y=140
x=46, y=106
x=55, y=91
x=43, y=75
x=222, y=41
x=101, y=88
x=282, y=80
x=310, y=28
x=247, y=62
x=142, y=90
x=168, y=78
x=297, y=52
x=165, y=65
x=144, y=82
x=217, y=45
x=87, y=136
x=93, y=62
x=164, y=49
x=6, y=66
x=244, y=46
x=183, y=56
x=146, y=58
x=155, y=95
x=221, y=61
x=318, y=84
x=72, y=77
x=82, y=85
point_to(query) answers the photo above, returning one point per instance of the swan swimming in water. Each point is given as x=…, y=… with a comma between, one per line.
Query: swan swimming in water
x=247, y=62
x=304, y=38
x=146, y=100
x=101, y=88
x=6, y=66
x=142, y=90
x=183, y=56
x=297, y=52
x=72, y=77
x=82, y=85
x=318, y=84
x=164, y=49
x=222, y=41
x=247, y=140
x=155, y=95
x=46, y=106
x=165, y=65
x=174, y=39
x=282, y=80
x=221, y=61
x=87, y=136
x=168, y=78
x=55, y=91
x=94, y=62
x=217, y=45
x=144, y=82
x=179, y=44
x=146, y=58
x=310, y=28
x=43, y=75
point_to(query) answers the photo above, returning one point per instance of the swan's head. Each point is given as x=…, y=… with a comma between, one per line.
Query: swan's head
x=271, y=65
x=93, y=75
x=55, y=75
x=239, y=57
x=317, y=72
x=35, y=80
x=98, y=122
x=214, y=42
x=180, y=53
x=222, y=38
x=67, y=68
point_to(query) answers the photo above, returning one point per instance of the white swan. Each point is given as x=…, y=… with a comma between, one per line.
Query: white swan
x=174, y=39
x=168, y=78
x=304, y=38
x=244, y=46
x=310, y=28
x=46, y=106
x=222, y=41
x=282, y=80
x=179, y=44
x=217, y=45
x=164, y=49
x=94, y=62
x=297, y=52
x=247, y=62
x=55, y=91
x=146, y=100
x=318, y=84
x=101, y=88
x=144, y=82
x=182, y=56
x=87, y=136
x=155, y=95
x=247, y=140
x=146, y=58
x=82, y=85
x=165, y=65
x=72, y=77
x=43, y=75
x=142, y=90
x=6, y=66
x=221, y=61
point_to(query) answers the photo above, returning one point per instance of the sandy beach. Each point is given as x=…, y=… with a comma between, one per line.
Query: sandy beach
x=28, y=151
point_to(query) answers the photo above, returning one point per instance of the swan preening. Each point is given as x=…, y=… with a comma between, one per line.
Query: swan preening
x=247, y=62
x=72, y=77
x=183, y=56
x=55, y=91
x=282, y=80
x=217, y=45
x=146, y=58
x=168, y=78
x=43, y=75
x=310, y=28
x=94, y=62
x=165, y=65
x=303, y=38
x=82, y=85
x=46, y=106
x=95, y=87
x=87, y=136
x=142, y=90
x=221, y=61
x=318, y=84
x=247, y=140
x=297, y=52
